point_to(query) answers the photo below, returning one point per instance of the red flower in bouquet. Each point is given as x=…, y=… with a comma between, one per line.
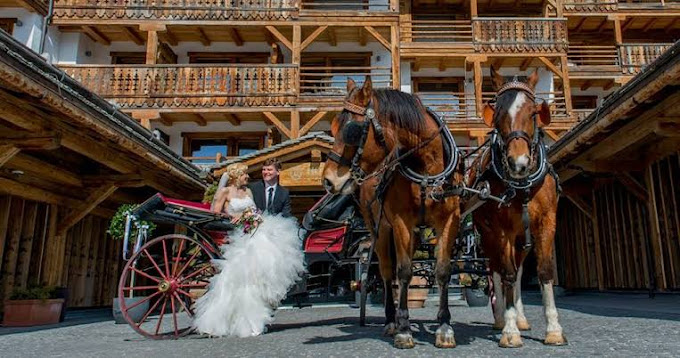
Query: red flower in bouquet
x=250, y=220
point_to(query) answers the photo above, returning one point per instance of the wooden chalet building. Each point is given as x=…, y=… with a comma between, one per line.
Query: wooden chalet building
x=218, y=80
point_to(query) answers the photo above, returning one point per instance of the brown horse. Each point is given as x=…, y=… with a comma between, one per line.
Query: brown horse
x=516, y=168
x=374, y=127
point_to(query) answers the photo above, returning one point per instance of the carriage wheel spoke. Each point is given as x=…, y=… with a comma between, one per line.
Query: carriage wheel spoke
x=144, y=300
x=174, y=315
x=148, y=313
x=155, y=279
x=160, y=317
x=185, y=293
x=196, y=272
x=165, y=259
x=154, y=264
x=179, y=254
x=188, y=262
x=194, y=285
x=186, y=309
x=135, y=288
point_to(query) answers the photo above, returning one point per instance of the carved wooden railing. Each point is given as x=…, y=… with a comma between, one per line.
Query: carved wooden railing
x=581, y=114
x=520, y=35
x=154, y=10
x=451, y=106
x=636, y=56
x=345, y=5
x=456, y=31
x=331, y=82
x=591, y=6
x=594, y=58
x=189, y=86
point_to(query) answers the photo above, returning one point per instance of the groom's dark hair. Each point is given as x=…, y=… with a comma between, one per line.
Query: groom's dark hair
x=272, y=162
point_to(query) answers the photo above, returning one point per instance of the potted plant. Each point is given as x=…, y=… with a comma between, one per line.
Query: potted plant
x=117, y=232
x=33, y=306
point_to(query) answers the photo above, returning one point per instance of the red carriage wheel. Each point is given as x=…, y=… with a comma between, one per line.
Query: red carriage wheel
x=159, y=284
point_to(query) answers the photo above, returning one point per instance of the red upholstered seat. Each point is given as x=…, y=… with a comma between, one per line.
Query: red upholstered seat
x=318, y=241
x=190, y=204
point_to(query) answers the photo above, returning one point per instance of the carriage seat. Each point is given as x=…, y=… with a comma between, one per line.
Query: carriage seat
x=331, y=211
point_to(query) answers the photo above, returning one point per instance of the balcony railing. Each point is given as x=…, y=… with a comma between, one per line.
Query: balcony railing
x=519, y=35
x=187, y=10
x=189, y=86
x=455, y=31
x=594, y=58
x=556, y=102
x=334, y=6
x=330, y=83
x=636, y=56
x=588, y=6
x=451, y=106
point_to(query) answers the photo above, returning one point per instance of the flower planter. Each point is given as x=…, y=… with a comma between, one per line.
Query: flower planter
x=22, y=313
x=417, y=296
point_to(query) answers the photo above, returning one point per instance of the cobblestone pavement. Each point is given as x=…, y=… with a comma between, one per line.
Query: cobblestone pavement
x=596, y=325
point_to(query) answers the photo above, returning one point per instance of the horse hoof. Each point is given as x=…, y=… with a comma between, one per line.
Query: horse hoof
x=404, y=341
x=510, y=340
x=523, y=325
x=498, y=326
x=555, y=339
x=444, y=337
x=390, y=329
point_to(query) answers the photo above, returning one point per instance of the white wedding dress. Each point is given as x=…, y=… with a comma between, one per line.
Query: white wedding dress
x=257, y=270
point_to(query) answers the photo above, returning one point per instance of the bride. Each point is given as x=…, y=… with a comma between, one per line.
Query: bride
x=262, y=261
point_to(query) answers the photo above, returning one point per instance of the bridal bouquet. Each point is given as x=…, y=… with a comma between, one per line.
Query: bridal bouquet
x=250, y=220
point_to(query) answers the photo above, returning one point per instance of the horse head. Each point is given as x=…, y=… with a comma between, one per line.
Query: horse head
x=358, y=149
x=516, y=117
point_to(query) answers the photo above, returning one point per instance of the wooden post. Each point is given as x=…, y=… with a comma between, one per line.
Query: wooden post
x=297, y=53
x=566, y=85
x=152, y=47
x=473, y=9
x=559, y=5
x=477, y=65
x=598, y=249
x=394, y=48
x=26, y=244
x=617, y=30
x=5, y=206
x=9, y=261
x=51, y=274
x=655, y=232
x=295, y=123
x=7, y=152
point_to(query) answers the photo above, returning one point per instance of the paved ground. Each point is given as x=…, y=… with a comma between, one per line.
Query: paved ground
x=595, y=325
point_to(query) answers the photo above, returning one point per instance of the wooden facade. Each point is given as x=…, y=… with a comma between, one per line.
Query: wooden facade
x=618, y=226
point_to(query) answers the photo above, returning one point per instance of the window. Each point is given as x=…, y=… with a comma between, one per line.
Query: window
x=584, y=102
x=229, y=57
x=128, y=58
x=203, y=148
x=7, y=25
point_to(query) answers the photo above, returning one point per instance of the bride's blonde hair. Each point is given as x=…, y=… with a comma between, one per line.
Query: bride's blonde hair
x=234, y=171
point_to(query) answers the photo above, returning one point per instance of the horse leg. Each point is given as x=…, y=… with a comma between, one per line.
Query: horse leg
x=444, y=336
x=544, y=257
x=522, y=322
x=498, y=301
x=404, y=249
x=386, y=265
x=510, y=337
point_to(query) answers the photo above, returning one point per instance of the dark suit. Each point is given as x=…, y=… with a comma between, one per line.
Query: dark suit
x=281, y=202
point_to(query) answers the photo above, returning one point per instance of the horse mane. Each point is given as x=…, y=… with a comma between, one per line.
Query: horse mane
x=401, y=109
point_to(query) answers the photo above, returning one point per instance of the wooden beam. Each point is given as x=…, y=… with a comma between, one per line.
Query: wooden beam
x=363, y=39
x=235, y=36
x=231, y=118
x=416, y=65
x=312, y=122
x=31, y=141
x=93, y=200
x=581, y=204
x=280, y=37
x=312, y=37
x=498, y=63
x=552, y=134
x=633, y=186
x=165, y=120
x=649, y=24
x=609, y=85
x=7, y=152
x=525, y=64
x=579, y=26
x=268, y=38
x=133, y=35
x=667, y=129
x=153, y=26
x=550, y=66
x=378, y=37
x=203, y=37
x=626, y=25
x=199, y=119
x=279, y=125
x=45, y=170
x=477, y=68
x=332, y=37
x=168, y=37
x=601, y=26
x=296, y=54
x=442, y=65
x=152, y=48
x=96, y=36
x=586, y=84
x=119, y=180
x=473, y=8
x=396, y=60
x=618, y=32
x=671, y=26
x=566, y=84
x=295, y=123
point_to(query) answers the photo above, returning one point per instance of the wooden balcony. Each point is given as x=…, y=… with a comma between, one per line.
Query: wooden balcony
x=454, y=36
x=347, y=7
x=125, y=11
x=634, y=57
x=590, y=6
x=39, y=6
x=593, y=61
x=586, y=7
x=189, y=86
x=328, y=85
x=581, y=114
x=519, y=35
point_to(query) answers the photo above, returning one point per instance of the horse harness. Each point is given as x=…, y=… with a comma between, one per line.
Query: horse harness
x=499, y=167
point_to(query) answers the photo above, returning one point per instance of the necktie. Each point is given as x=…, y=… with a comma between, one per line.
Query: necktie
x=270, y=196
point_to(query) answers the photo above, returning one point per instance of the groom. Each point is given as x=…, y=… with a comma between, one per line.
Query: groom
x=268, y=194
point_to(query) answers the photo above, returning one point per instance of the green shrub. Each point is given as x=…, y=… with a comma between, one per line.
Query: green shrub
x=117, y=224
x=33, y=293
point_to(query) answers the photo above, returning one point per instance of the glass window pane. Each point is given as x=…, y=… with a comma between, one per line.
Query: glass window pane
x=247, y=148
x=205, y=150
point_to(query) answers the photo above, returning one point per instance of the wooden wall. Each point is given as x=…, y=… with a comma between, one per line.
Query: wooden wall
x=615, y=242
x=89, y=264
